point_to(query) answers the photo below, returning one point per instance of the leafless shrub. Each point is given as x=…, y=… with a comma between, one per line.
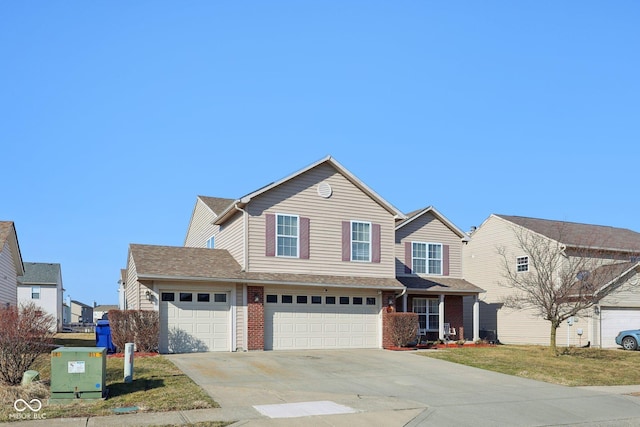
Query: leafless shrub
x=26, y=333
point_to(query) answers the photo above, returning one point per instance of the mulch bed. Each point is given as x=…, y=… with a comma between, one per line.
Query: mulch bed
x=135, y=354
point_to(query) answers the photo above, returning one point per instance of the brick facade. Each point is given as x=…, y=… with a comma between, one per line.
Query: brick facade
x=255, y=320
x=387, y=341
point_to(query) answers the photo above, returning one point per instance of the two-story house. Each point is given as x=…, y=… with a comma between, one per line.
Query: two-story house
x=429, y=263
x=306, y=262
x=11, y=265
x=612, y=253
x=41, y=284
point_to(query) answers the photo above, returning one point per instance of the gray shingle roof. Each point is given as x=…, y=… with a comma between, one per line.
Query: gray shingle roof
x=40, y=273
x=439, y=285
x=217, y=264
x=216, y=204
x=581, y=235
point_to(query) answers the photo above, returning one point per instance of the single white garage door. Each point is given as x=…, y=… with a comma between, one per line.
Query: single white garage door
x=321, y=321
x=616, y=320
x=194, y=321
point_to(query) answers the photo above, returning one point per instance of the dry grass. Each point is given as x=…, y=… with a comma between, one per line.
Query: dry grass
x=157, y=386
x=574, y=367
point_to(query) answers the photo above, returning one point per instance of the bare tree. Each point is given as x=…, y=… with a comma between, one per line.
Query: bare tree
x=559, y=283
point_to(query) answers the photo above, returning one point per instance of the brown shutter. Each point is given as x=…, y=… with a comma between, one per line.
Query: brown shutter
x=408, y=261
x=346, y=241
x=445, y=260
x=375, y=242
x=304, y=237
x=270, y=235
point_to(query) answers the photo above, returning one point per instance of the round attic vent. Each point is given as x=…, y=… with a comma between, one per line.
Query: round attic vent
x=324, y=190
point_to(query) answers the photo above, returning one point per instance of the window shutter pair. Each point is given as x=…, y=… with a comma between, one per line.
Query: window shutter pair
x=375, y=242
x=270, y=236
x=408, y=259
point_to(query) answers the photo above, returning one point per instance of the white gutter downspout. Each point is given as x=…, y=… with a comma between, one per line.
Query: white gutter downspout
x=246, y=238
x=404, y=300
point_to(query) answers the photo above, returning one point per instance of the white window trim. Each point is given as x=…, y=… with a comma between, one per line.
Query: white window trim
x=427, y=259
x=297, y=235
x=39, y=289
x=212, y=238
x=427, y=313
x=518, y=265
x=351, y=241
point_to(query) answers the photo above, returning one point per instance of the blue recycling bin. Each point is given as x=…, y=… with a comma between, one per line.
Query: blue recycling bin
x=103, y=336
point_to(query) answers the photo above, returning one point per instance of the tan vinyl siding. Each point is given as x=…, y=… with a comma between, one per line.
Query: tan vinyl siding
x=429, y=229
x=299, y=197
x=132, y=290
x=201, y=227
x=627, y=295
x=240, y=319
x=483, y=268
x=231, y=237
x=8, y=277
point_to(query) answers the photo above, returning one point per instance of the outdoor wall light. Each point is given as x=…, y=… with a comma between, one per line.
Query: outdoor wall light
x=256, y=298
x=148, y=295
x=390, y=301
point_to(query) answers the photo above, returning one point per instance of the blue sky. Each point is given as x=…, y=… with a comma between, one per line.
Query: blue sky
x=114, y=116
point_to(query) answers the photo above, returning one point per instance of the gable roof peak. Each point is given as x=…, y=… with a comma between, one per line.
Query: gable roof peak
x=411, y=216
x=243, y=201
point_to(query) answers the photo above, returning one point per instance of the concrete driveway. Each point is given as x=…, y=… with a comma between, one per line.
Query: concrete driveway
x=394, y=388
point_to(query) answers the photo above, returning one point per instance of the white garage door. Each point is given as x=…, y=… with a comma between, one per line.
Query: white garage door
x=616, y=320
x=321, y=321
x=194, y=321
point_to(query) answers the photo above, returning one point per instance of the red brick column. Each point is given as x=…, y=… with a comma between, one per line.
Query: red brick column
x=454, y=314
x=255, y=320
x=386, y=309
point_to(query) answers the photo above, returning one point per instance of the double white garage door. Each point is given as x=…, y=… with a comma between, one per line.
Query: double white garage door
x=323, y=320
x=194, y=321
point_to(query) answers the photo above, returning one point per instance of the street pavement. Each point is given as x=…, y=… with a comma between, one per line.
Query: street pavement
x=377, y=388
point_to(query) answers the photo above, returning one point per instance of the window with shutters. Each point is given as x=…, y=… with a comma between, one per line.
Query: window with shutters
x=426, y=258
x=287, y=235
x=360, y=241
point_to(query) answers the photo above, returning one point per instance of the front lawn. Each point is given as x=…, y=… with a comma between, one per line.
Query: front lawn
x=157, y=386
x=573, y=367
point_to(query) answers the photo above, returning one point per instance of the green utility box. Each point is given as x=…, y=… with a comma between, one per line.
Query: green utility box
x=78, y=373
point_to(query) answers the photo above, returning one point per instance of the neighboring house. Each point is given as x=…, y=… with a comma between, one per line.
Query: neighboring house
x=42, y=285
x=100, y=310
x=66, y=313
x=11, y=265
x=307, y=262
x=122, y=285
x=429, y=263
x=617, y=249
x=81, y=313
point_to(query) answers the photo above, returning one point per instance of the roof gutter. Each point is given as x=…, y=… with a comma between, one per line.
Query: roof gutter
x=266, y=282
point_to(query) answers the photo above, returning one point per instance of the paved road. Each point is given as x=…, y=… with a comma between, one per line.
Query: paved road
x=397, y=388
x=375, y=388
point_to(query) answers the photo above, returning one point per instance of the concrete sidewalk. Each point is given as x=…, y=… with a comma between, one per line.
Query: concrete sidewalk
x=383, y=388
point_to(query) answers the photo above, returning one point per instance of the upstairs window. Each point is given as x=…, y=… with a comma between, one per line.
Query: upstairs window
x=287, y=235
x=360, y=241
x=427, y=258
x=522, y=264
x=211, y=243
x=35, y=292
